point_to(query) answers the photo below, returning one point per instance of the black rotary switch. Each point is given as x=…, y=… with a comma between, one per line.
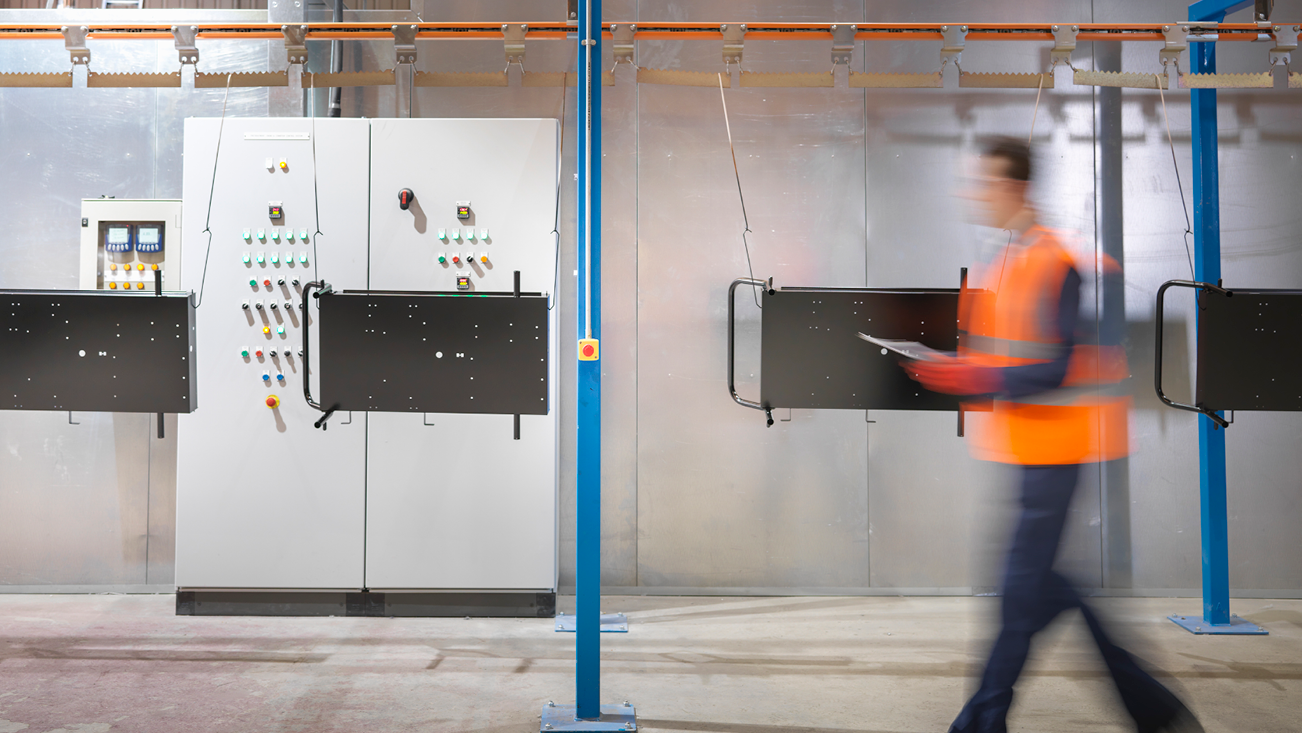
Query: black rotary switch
x=404, y=198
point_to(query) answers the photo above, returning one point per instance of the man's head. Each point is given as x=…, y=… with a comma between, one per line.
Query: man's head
x=1003, y=176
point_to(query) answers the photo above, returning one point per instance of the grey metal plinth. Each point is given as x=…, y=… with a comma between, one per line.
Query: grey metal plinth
x=611, y=623
x=1196, y=625
x=613, y=717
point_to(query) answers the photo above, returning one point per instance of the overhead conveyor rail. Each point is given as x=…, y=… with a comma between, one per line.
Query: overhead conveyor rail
x=190, y=37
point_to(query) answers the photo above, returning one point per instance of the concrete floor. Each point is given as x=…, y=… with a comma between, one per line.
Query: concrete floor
x=93, y=664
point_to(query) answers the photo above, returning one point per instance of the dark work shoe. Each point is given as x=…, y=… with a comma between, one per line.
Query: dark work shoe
x=1182, y=722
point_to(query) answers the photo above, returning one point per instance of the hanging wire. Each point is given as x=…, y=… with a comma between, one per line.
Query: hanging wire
x=1184, y=207
x=212, y=189
x=556, y=219
x=316, y=197
x=737, y=173
x=1035, y=113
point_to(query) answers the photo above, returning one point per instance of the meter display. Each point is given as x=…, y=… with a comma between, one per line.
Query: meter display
x=149, y=238
x=117, y=238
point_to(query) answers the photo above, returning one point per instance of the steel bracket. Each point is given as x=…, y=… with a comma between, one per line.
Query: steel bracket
x=1177, y=40
x=513, y=37
x=843, y=43
x=623, y=43
x=295, y=43
x=955, y=39
x=734, y=37
x=74, y=39
x=404, y=43
x=1285, y=44
x=185, y=36
x=1064, y=42
x=572, y=12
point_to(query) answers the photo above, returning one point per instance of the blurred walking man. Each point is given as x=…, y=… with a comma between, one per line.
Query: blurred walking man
x=1052, y=403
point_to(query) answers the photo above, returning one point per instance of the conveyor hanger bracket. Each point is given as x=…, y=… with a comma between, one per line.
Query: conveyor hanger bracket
x=1285, y=44
x=1177, y=40
x=513, y=35
x=74, y=39
x=622, y=42
x=734, y=37
x=843, y=43
x=186, y=49
x=404, y=43
x=1064, y=42
x=295, y=43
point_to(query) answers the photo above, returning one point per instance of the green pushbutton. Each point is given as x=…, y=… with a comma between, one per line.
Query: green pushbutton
x=253, y=283
x=245, y=353
x=443, y=260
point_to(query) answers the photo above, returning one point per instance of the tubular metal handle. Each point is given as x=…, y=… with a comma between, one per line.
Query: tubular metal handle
x=324, y=289
x=1157, y=351
x=732, y=384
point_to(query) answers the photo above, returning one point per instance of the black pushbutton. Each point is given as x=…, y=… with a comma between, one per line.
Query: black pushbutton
x=405, y=197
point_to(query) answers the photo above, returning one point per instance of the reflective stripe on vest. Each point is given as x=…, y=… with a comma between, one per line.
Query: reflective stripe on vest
x=1009, y=348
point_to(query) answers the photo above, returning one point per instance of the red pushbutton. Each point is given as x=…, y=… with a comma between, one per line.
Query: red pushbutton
x=273, y=402
x=258, y=353
x=267, y=282
x=455, y=259
x=588, y=350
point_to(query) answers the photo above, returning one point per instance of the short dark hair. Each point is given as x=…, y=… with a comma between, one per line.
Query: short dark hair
x=1016, y=152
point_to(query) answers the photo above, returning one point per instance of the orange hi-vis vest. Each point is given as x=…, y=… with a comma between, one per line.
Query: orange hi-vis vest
x=1008, y=317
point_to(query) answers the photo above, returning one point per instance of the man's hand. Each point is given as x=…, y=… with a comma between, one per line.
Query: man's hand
x=954, y=377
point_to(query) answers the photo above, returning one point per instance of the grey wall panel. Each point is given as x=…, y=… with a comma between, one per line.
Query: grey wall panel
x=723, y=500
x=94, y=503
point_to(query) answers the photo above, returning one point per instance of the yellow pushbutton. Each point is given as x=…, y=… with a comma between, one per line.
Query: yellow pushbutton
x=113, y=286
x=155, y=267
x=113, y=266
x=140, y=286
x=484, y=259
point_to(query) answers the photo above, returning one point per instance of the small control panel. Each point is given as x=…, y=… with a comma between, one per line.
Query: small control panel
x=124, y=254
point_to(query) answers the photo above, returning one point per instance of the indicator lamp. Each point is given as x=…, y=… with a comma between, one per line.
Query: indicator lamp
x=289, y=235
x=484, y=259
x=284, y=164
x=266, y=329
x=280, y=330
x=261, y=258
x=140, y=286
x=443, y=235
x=140, y=266
x=247, y=259
x=275, y=235
x=456, y=235
x=113, y=286
x=303, y=258
x=275, y=258
x=302, y=234
x=113, y=266
x=153, y=267
x=247, y=235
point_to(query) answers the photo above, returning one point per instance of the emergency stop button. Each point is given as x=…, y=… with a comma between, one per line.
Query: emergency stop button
x=589, y=349
x=273, y=401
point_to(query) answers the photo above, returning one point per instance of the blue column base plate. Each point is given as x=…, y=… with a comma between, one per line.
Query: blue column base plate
x=611, y=623
x=1196, y=625
x=613, y=718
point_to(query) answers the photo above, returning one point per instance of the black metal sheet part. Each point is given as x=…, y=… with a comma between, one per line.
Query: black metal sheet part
x=414, y=352
x=1249, y=350
x=812, y=357
x=92, y=351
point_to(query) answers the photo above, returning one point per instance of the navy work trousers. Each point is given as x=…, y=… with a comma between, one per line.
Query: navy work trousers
x=1033, y=596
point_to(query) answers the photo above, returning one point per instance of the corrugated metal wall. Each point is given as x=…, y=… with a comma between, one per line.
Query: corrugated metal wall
x=844, y=187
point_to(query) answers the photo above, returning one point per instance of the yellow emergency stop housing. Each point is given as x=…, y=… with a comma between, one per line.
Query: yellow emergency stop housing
x=589, y=349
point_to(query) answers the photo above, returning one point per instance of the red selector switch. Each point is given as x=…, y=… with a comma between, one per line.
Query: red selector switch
x=405, y=197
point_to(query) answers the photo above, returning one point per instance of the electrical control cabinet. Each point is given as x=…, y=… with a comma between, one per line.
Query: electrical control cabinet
x=125, y=244
x=377, y=500
x=264, y=500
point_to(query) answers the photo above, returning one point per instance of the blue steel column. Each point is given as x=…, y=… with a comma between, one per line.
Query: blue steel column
x=1207, y=268
x=588, y=458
